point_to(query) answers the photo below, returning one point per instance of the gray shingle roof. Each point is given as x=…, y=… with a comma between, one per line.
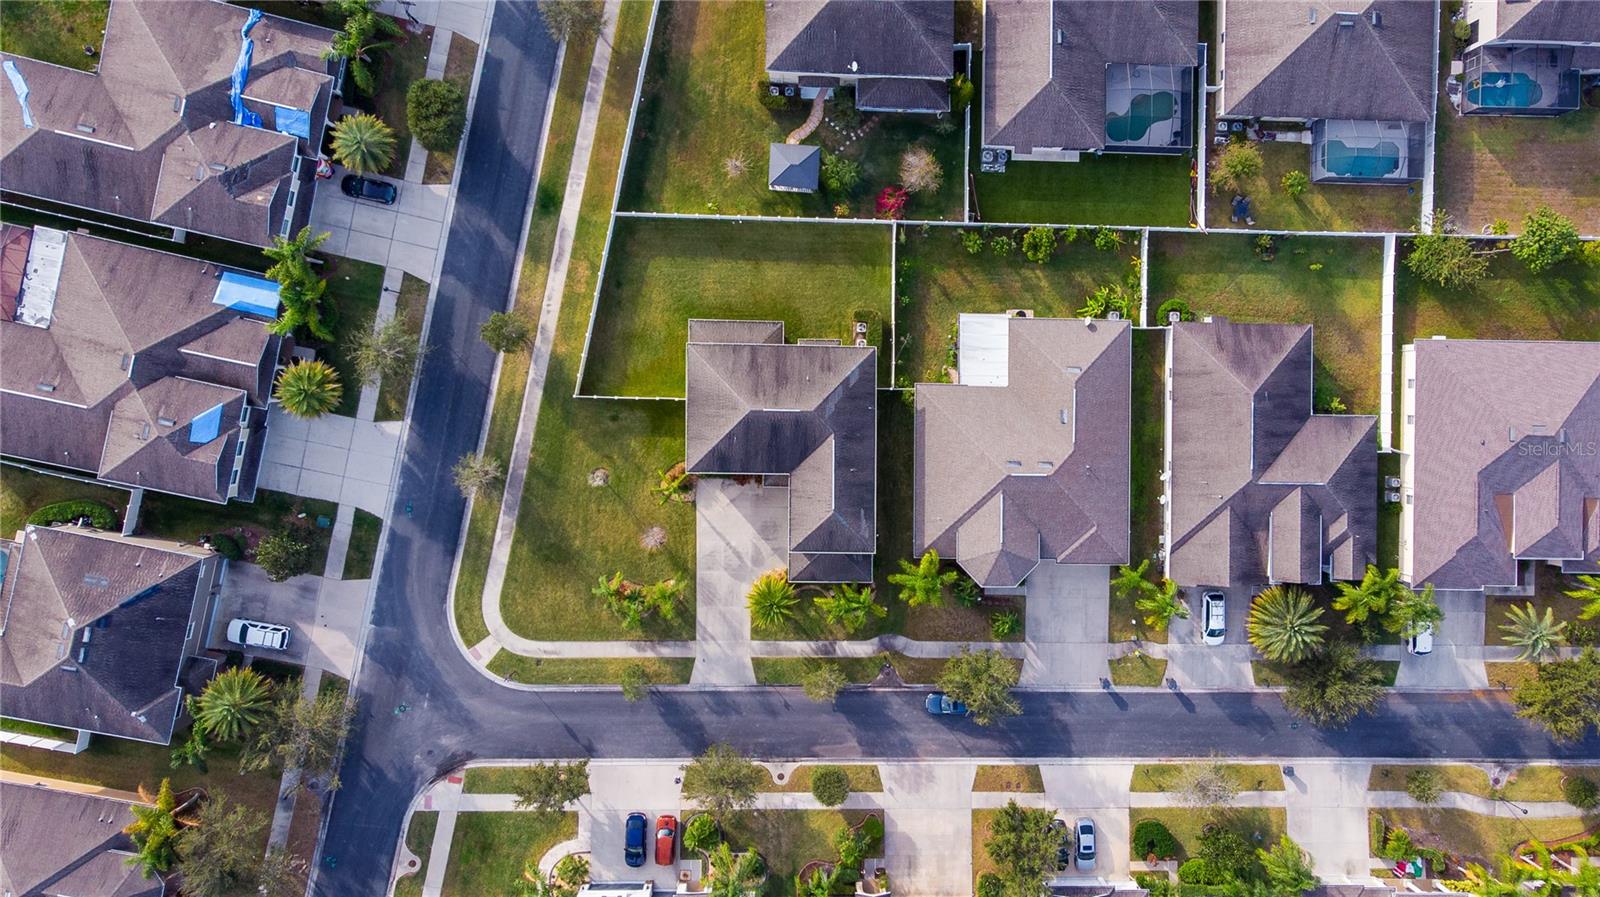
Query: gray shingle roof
x=63, y=842
x=1546, y=20
x=1505, y=460
x=904, y=38
x=793, y=166
x=1261, y=489
x=125, y=607
x=902, y=95
x=150, y=135
x=1278, y=63
x=1009, y=475
x=808, y=412
x=1038, y=93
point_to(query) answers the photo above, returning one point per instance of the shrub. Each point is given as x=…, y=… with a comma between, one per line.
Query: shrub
x=1590, y=253
x=966, y=592
x=891, y=203
x=701, y=833
x=830, y=785
x=284, y=553
x=920, y=171
x=1236, y=164
x=1500, y=227
x=1581, y=792
x=1379, y=833
x=842, y=108
x=1295, y=182
x=1397, y=846
x=1163, y=314
x=774, y=101
x=101, y=516
x=962, y=91
x=972, y=242
x=1004, y=625
x=227, y=546
x=1226, y=852
x=1196, y=872
x=1150, y=836
x=1038, y=244
x=436, y=111
x=991, y=885
x=839, y=175
x=1462, y=29
x=1548, y=238
x=1424, y=784
x=1004, y=246
x=1106, y=239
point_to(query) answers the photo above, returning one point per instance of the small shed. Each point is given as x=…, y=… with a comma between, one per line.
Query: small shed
x=793, y=168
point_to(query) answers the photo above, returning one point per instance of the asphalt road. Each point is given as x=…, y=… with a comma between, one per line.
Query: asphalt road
x=452, y=713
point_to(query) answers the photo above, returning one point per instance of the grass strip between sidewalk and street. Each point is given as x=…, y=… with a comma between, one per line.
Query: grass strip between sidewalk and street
x=410, y=307
x=1016, y=778
x=1164, y=777
x=588, y=670
x=858, y=670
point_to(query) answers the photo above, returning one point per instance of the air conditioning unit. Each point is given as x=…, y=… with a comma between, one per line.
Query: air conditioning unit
x=1113, y=316
x=1393, y=497
x=1174, y=317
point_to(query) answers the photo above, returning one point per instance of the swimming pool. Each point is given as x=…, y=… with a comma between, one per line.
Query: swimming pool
x=1343, y=160
x=1505, y=90
x=1144, y=110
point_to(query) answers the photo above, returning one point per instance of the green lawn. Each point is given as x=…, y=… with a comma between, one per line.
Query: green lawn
x=862, y=777
x=1116, y=188
x=1022, y=779
x=24, y=491
x=787, y=840
x=419, y=840
x=126, y=765
x=588, y=671
x=364, y=533
x=1259, y=825
x=411, y=307
x=513, y=378
x=1134, y=670
x=1273, y=675
x=1222, y=275
x=458, y=68
x=186, y=520
x=354, y=289
x=816, y=279
x=1550, y=588
x=858, y=670
x=55, y=32
x=1149, y=436
x=1333, y=207
x=1482, y=839
x=1503, y=167
x=23, y=727
x=940, y=280
x=1159, y=777
x=489, y=850
x=701, y=108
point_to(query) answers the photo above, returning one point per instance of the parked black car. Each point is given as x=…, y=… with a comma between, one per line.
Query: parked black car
x=357, y=187
x=633, y=843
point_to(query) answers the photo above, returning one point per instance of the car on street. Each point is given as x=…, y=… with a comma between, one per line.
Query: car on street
x=940, y=704
x=633, y=839
x=1085, y=856
x=666, y=840
x=1058, y=829
x=357, y=187
x=1422, y=642
x=255, y=634
x=1213, y=617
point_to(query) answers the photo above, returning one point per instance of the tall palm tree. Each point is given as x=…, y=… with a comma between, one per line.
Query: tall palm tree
x=849, y=606
x=154, y=830
x=362, y=33
x=1371, y=597
x=299, y=288
x=1283, y=625
x=1589, y=593
x=922, y=583
x=235, y=700
x=734, y=874
x=290, y=256
x=1130, y=582
x=1161, y=604
x=1535, y=635
x=308, y=388
x=363, y=143
x=772, y=599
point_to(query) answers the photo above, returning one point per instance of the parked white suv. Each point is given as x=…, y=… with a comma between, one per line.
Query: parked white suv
x=1422, y=642
x=253, y=634
x=1213, y=618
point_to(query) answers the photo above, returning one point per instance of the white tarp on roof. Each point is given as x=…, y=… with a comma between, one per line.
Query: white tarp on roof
x=984, y=349
x=48, y=251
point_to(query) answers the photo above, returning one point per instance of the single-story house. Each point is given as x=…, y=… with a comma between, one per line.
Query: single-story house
x=163, y=131
x=803, y=415
x=899, y=55
x=793, y=167
x=1259, y=489
x=1501, y=443
x=139, y=367
x=103, y=633
x=67, y=842
x=1026, y=458
x=1528, y=57
x=1062, y=78
x=1357, y=76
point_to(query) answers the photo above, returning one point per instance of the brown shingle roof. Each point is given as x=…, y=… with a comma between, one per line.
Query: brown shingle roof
x=63, y=842
x=905, y=38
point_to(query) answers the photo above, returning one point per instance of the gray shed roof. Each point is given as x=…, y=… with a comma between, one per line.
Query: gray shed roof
x=1505, y=459
x=124, y=606
x=1041, y=93
x=793, y=166
x=1326, y=59
x=902, y=38
x=63, y=842
x=1262, y=490
x=1010, y=475
x=808, y=412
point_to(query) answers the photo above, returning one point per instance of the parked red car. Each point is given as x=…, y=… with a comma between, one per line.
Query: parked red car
x=666, y=840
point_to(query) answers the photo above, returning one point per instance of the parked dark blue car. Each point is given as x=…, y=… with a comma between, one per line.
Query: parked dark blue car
x=633, y=845
x=357, y=187
x=940, y=704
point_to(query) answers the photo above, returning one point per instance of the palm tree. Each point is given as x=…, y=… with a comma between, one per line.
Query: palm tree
x=1131, y=583
x=235, y=700
x=302, y=308
x=1288, y=867
x=290, y=256
x=849, y=606
x=1536, y=636
x=1283, y=625
x=363, y=143
x=1589, y=594
x=772, y=599
x=154, y=830
x=734, y=874
x=358, y=38
x=1161, y=604
x=922, y=583
x=1371, y=597
x=1410, y=611
x=308, y=389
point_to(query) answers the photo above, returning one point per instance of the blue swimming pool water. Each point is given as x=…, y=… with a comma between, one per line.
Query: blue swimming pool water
x=1513, y=90
x=1344, y=160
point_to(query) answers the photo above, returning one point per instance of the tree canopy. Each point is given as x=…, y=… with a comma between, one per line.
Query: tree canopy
x=982, y=680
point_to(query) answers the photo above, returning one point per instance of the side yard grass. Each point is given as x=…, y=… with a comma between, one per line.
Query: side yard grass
x=1258, y=825
x=1149, y=437
x=355, y=288
x=1550, y=588
x=1501, y=168
x=55, y=32
x=1334, y=207
x=458, y=68
x=1334, y=284
x=1159, y=777
x=410, y=307
x=24, y=491
x=816, y=279
x=489, y=850
x=186, y=520
x=364, y=533
x=1020, y=779
x=588, y=671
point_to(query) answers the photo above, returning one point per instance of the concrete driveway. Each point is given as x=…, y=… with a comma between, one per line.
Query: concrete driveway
x=339, y=459
x=1327, y=810
x=1193, y=664
x=616, y=791
x=1457, y=658
x=323, y=616
x=927, y=840
x=1067, y=610
x=1098, y=791
x=741, y=532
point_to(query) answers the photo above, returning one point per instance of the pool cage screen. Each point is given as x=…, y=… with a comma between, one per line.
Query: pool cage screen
x=1366, y=151
x=1149, y=108
x=1524, y=80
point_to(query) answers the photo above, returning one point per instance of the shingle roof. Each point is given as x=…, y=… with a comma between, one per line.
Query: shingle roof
x=64, y=842
x=1261, y=489
x=1505, y=460
x=793, y=166
x=905, y=38
x=1038, y=468
x=1546, y=20
x=95, y=626
x=902, y=95
x=1279, y=63
x=150, y=135
x=808, y=412
x=1040, y=93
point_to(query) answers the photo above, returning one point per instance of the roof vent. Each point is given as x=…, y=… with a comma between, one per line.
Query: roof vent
x=1377, y=18
x=1014, y=465
x=92, y=579
x=166, y=422
x=218, y=167
x=1313, y=15
x=85, y=124
x=144, y=431
x=47, y=387
x=177, y=103
x=83, y=654
x=1061, y=37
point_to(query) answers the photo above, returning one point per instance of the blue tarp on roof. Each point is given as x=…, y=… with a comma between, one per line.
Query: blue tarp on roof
x=251, y=295
x=294, y=122
x=206, y=426
x=241, y=74
x=19, y=85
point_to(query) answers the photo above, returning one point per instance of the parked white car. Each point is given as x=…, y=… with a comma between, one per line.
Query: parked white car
x=1422, y=642
x=1213, y=618
x=255, y=634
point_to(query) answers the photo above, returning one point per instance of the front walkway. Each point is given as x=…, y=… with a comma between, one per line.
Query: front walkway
x=741, y=532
